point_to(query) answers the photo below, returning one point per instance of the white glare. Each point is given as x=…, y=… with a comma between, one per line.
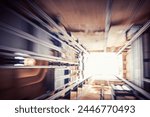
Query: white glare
x=103, y=64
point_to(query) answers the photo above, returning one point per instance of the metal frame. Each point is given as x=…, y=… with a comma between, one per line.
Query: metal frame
x=46, y=17
x=50, y=58
x=31, y=15
x=35, y=56
x=141, y=31
x=140, y=90
x=107, y=22
x=28, y=52
x=27, y=12
x=29, y=37
x=48, y=94
x=146, y=80
x=27, y=67
x=26, y=36
x=52, y=97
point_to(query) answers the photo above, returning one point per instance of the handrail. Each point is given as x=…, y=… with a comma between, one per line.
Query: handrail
x=140, y=90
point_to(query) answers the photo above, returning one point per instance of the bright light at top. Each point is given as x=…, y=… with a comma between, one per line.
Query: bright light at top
x=103, y=64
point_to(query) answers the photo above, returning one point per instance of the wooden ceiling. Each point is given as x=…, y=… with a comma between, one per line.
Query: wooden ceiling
x=85, y=19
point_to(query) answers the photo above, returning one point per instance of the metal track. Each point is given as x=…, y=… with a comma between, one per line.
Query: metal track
x=141, y=31
x=46, y=17
x=140, y=90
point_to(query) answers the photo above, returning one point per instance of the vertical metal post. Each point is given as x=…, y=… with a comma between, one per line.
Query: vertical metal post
x=107, y=22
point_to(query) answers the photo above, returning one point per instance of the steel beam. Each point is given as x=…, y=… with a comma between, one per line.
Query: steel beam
x=140, y=90
x=46, y=17
x=65, y=90
x=107, y=22
x=141, y=31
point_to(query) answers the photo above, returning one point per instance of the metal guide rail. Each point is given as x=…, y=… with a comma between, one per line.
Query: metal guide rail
x=140, y=32
x=31, y=53
x=48, y=19
x=55, y=45
x=38, y=18
x=136, y=88
x=69, y=88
